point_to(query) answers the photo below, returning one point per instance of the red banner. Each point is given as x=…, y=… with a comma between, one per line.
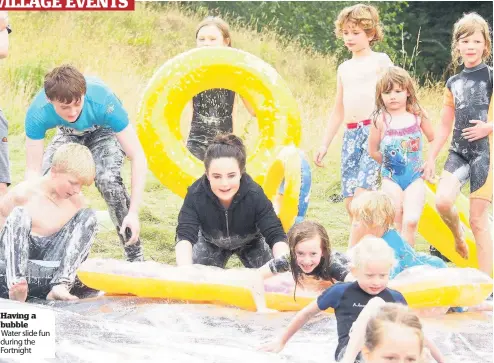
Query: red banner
x=67, y=5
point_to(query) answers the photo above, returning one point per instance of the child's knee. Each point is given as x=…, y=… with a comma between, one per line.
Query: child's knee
x=88, y=217
x=20, y=217
x=411, y=223
x=444, y=204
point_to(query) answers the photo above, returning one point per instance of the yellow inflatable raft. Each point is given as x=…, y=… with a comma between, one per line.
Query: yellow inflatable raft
x=236, y=287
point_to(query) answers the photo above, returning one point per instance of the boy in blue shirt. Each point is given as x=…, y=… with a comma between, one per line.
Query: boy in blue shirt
x=87, y=112
x=354, y=303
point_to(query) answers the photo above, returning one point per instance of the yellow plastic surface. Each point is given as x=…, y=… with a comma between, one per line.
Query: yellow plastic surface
x=287, y=165
x=418, y=295
x=174, y=290
x=179, y=79
x=437, y=233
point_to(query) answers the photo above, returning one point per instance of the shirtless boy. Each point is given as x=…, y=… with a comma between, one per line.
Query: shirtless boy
x=44, y=219
x=359, y=27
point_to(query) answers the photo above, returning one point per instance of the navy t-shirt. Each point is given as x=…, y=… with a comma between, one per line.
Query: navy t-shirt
x=348, y=300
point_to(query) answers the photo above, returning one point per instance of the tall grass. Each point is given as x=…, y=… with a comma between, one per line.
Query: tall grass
x=125, y=49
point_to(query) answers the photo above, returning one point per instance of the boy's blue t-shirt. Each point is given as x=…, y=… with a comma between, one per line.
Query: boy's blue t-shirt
x=101, y=108
x=406, y=256
x=348, y=300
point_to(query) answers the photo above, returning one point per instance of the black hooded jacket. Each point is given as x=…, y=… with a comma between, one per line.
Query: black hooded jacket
x=249, y=215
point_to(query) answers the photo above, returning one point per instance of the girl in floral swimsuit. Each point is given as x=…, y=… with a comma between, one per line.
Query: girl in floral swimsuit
x=395, y=141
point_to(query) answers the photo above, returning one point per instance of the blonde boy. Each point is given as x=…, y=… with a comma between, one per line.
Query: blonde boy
x=354, y=303
x=44, y=219
x=373, y=214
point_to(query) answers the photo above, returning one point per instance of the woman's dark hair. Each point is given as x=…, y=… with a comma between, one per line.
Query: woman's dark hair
x=226, y=146
x=303, y=231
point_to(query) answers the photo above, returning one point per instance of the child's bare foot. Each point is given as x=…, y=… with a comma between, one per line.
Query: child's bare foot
x=60, y=292
x=19, y=291
x=461, y=245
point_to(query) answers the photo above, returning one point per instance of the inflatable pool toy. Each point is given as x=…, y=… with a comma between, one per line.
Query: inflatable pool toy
x=436, y=232
x=203, y=284
x=292, y=171
x=179, y=79
x=305, y=186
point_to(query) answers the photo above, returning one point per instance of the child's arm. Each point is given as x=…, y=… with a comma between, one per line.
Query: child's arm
x=234, y=115
x=436, y=354
x=444, y=130
x=427, y=129
x=375, y=142
x=350, y=278
x=275, y=266
x=302, y=317
x=248, y=107
x=265, y=271
x=334, y=123
x=190, y=115
x=234, y=112
x=359, y=326
x=479, y=130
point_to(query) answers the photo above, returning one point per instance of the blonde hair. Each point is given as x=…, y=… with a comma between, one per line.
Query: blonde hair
x=363, y=16
x=396, y=76
x=391, y=313
x=75, y=159
x=374, y=209
x=465, y=27
x=222, y=26
x=371, y=249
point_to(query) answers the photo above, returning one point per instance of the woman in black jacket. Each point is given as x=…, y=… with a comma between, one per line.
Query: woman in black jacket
x=226, y=212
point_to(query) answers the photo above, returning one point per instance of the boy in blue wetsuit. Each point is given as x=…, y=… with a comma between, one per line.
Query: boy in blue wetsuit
x=87, y=112
x=354, y=303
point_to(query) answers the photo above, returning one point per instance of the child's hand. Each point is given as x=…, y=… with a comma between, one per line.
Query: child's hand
x=429, y=171
x=274, y=347
x=477, y=132
x=320, y=154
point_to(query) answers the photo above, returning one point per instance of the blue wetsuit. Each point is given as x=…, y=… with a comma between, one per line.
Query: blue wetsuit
x=348, y=300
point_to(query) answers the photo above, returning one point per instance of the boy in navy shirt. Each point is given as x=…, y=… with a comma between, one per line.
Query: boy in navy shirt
x=354, y=303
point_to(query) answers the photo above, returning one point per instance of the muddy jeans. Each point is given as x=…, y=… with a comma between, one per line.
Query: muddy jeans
x=254, y=254
x=108, y=157
x=68, y=247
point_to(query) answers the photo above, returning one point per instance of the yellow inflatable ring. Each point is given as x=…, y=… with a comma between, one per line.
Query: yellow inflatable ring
x=291, y=167
x=179, y=79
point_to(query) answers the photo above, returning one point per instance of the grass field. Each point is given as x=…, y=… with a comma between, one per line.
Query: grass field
x=125, y=49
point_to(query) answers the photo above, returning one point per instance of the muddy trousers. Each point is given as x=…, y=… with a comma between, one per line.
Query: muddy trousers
x=108, y=157
x=254, y=254
x=67, y=248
